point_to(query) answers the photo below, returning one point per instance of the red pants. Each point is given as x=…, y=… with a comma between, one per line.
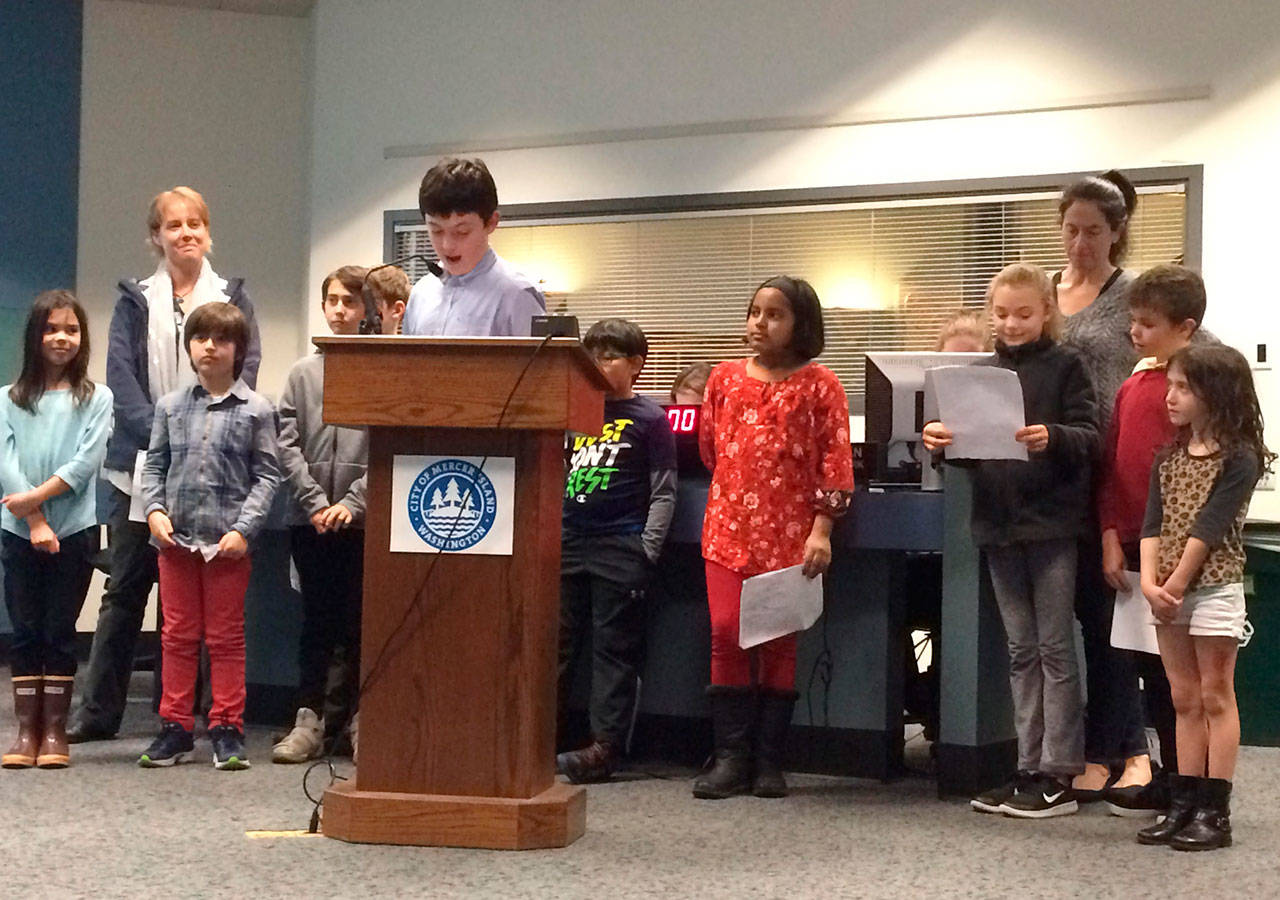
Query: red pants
x=774, y=661
x=202, y=600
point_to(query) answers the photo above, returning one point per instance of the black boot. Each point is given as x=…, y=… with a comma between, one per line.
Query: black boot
x=771, y=742
x=1210, y=827
x=1182, y=805
x=733, y=714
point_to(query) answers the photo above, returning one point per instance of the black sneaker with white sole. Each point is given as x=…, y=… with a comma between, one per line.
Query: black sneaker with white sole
x=1042, y=798
x=991, y=801
x=170, y=746
x=228, y=748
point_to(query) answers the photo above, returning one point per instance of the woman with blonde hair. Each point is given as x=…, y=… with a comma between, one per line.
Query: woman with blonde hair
x=145, y=361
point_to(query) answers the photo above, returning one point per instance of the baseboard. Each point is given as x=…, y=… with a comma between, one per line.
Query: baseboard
x=858, y=753
x=965, y=770
x=851, y=752
x=677, y=740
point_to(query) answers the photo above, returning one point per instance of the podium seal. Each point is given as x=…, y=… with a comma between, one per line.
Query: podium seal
x=452, y=505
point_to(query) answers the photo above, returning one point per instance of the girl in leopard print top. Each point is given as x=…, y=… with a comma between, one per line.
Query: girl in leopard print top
x=1193, y=578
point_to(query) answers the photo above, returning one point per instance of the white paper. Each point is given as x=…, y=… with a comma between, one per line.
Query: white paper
x=1132, y=625
x=982, y=407
x=776, y=604
x=451, y=504
x=136, y=506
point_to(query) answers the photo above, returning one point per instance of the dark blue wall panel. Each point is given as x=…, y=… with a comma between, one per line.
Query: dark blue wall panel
x=40, y=42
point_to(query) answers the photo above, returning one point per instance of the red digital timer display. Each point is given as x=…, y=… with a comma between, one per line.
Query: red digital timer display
x=683, y=419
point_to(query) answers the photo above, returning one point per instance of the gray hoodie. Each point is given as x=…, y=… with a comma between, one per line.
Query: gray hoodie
x=323, y=464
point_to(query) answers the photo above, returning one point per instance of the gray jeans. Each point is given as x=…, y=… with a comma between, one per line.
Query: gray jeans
x=1034, y=585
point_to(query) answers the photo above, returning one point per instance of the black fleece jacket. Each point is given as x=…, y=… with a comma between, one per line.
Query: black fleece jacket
x=1048, y=496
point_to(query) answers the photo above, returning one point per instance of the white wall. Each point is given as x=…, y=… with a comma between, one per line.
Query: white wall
x=216, y=100
x=219, y=101
x=437, y=72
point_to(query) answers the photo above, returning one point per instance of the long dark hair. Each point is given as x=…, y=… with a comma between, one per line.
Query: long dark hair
x=29, y=388
x=1220, y=377
x=1115, y=198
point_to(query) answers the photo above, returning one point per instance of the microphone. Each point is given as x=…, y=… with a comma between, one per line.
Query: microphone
x=372, y=322
x=432, y=266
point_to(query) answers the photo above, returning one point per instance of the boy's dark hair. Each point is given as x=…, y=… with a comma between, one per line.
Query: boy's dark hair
x=29, y=387
x=617, y=336
x=808, y=336
x=458, y=186
x=1175, y=292
x=350, y=277
x=386, y=285
x=1221, y=378
x=1116, y=199
x=222, y=322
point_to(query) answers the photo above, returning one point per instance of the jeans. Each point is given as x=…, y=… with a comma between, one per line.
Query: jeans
x=331, y=572
x=133, y=573
x=44, y=593
x=1113, y=729
x=611, y=608
x=1034, y=584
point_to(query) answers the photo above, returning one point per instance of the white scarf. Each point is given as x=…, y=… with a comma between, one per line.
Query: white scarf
x=167, y=368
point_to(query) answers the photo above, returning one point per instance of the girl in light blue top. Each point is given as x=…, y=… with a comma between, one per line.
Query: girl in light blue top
x=54, y=423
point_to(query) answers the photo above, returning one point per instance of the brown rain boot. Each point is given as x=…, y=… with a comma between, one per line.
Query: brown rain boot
x=55, y=753
x=26, y=708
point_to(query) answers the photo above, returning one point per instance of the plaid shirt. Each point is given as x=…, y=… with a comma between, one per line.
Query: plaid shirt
x=212, y=466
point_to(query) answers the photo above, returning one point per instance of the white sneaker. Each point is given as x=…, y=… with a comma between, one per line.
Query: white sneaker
x=353, y=731
x=304, y=742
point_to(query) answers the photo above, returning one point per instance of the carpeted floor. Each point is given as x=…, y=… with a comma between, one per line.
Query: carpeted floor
x=105, y=828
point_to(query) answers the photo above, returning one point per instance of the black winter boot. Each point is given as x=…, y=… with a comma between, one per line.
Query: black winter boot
x=771, y=742
x=733, y=714
x=1210, y=827
x=1182, y=805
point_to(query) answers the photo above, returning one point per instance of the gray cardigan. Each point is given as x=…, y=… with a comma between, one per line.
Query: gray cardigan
x=1100, y=332
x=323, y=464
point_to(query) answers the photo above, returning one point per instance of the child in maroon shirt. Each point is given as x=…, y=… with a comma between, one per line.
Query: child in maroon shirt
x=1166, y=305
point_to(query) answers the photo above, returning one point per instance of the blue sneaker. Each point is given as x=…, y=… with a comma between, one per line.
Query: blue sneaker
x=170, y=746
x=228, y=748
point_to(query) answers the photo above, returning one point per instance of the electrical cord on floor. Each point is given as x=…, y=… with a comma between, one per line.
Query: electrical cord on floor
x=385, y=653
x=823, y=670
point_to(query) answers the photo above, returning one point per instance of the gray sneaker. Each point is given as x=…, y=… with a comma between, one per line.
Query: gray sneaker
x=304, y=742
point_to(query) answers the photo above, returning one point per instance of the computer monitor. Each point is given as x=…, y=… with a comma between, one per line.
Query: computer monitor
x=895, y=413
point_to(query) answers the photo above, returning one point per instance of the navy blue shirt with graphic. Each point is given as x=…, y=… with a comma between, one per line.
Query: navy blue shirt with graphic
x=607, y=490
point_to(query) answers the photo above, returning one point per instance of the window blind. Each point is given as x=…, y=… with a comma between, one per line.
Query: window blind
x=889, y=272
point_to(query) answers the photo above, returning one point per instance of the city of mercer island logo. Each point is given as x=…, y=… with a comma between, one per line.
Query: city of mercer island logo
x=452, y=505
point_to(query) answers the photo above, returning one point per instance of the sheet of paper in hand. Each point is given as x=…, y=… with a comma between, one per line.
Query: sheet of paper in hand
x=982, y=407
x=1132, y=625
x=776, y=604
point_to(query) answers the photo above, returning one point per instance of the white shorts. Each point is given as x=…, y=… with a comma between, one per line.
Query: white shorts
x=1213, y=611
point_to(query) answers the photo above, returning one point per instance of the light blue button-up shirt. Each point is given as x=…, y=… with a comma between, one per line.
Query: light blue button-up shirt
x=492, y=300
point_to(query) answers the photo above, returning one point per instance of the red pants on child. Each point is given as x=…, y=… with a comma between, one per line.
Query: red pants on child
x=775, y=660
x=202, y=600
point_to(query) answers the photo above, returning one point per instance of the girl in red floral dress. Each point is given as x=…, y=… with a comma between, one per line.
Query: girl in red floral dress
x=775, y=434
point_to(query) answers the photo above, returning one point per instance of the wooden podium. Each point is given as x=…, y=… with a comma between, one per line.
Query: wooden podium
x=457, y=718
